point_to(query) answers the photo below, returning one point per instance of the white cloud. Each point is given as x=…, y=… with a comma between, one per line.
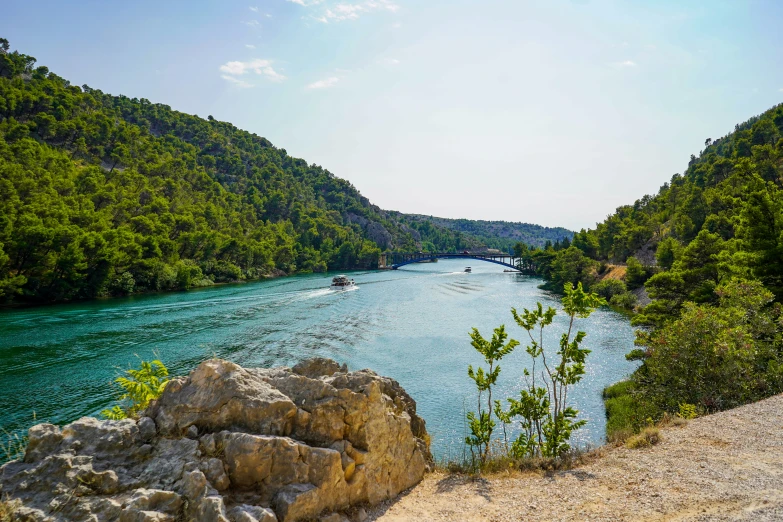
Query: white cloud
x=389, y=61
x=251, y=23
x=268, y=15
x=345, y=11
x=260, y=67
x=254, y=9
x=250, y=46
x=624, y=64
x=306, y=3
x=781, y=89
x=236, y=81
x=324, y=84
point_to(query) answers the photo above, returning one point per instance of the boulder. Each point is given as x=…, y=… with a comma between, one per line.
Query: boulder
x=230, y=444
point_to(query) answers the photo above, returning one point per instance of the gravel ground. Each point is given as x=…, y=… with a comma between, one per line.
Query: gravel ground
x=727, y=466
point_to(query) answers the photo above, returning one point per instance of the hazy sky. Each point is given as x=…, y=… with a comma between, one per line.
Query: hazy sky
x=549, y=112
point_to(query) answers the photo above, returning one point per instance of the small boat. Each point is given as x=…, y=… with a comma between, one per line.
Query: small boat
x=468, y=270
x=341, y=282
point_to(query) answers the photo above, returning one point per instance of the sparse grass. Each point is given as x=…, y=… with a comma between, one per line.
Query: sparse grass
x=12, y=446
x=499, y=461
x=649, y=436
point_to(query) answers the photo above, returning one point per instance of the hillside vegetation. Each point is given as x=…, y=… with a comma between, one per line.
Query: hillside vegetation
x=108, y=195
x=708, y=250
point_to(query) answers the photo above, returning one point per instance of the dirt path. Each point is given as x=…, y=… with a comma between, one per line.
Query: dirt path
x=727, y=466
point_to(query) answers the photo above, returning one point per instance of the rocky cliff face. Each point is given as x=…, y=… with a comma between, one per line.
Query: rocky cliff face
x=230, y=444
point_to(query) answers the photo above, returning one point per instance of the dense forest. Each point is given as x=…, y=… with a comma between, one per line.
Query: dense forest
x=105, y=195
x=708, y=251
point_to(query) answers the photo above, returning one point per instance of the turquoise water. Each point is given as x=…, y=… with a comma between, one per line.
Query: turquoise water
x=412, y=324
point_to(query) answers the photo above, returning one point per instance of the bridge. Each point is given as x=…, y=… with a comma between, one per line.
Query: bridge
x=395, y=260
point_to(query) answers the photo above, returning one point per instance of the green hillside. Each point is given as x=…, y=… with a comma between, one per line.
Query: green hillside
x=721, y=219
x=105, y=195
x=708, y=250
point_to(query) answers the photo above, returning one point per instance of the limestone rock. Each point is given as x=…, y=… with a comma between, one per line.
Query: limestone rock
x=229, y=444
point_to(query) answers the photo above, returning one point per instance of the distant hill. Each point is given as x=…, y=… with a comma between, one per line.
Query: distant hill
x=502, y=235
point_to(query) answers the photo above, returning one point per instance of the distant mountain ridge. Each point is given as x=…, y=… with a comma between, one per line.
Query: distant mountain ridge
x=502, y=235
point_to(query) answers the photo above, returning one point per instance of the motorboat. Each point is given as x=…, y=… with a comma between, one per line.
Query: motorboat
x=468, y=270
x=341, y=282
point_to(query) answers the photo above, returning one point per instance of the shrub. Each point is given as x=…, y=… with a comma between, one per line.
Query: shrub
x=627, y=410
x=636, y=274
x=716, y=357
x=546, y=419
x=139, y=388
x=648, y=437
x=481, y=423
x=625, y=300
x=687, y=411
x=608, y=288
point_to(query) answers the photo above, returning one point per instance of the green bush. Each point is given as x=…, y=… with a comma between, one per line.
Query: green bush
x=636, y=274
x=716, y=356
x=625, y=300
x=608, y=288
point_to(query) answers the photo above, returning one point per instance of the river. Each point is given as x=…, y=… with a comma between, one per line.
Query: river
x=57, y=362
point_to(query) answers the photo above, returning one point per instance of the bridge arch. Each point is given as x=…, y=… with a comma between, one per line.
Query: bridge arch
x=400, y=260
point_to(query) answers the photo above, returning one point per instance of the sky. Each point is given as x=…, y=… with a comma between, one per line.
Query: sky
x=551, y=112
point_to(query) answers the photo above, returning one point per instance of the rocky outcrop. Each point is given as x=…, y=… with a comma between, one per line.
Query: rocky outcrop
x=230, y=444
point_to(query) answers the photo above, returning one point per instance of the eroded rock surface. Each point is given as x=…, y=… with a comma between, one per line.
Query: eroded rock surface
x=230, y=444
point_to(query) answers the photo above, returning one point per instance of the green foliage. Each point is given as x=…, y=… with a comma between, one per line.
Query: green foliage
x=667, y=252
x=715, y=356
x=546, y=419
x=481, y=423
x=636, y=274
x=140, y=386
x=688, y=411
x=717, y=230
x=558, y=267
x=625, y=300
x=608, y=288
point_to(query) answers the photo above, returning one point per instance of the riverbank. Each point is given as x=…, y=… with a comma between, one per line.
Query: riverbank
x=726, y=466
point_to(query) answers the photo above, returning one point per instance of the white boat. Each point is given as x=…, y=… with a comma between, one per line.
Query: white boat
x=341, y=282
x=468, y=270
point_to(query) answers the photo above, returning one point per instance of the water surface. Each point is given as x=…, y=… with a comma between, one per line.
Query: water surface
x=412, y=324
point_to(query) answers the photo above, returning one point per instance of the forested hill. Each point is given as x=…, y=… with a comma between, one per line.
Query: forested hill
x=502, y=235
x=109, y=195
x=722, y=219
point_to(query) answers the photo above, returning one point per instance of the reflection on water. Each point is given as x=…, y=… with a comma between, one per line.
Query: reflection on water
x=56, y=363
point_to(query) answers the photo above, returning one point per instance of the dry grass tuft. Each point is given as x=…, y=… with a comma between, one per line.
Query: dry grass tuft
x=648, y=437
x=7, y=509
